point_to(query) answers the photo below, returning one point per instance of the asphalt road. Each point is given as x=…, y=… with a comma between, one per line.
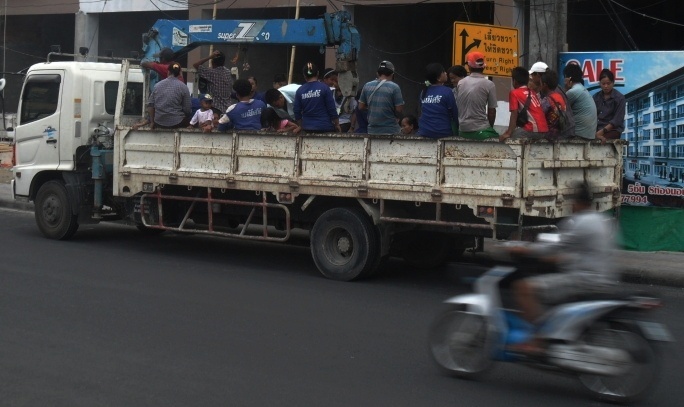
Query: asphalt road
x=114, y=318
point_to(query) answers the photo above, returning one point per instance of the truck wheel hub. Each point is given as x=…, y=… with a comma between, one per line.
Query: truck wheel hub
x=51, y=209
x=344, y=245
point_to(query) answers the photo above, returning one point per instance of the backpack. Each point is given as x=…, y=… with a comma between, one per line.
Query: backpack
x=522, y=115
x=562, y=116
x=569, y=130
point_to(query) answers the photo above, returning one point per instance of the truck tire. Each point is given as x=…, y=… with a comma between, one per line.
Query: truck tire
x=53, y=211
x=345, y=245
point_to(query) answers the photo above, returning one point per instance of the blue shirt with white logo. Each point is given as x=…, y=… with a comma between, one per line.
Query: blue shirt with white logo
x=439, y=111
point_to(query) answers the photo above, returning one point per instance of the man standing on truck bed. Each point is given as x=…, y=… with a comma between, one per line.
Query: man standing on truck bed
x=218, y=77
x=383, y=100
x=476, y=101
x=166, y=58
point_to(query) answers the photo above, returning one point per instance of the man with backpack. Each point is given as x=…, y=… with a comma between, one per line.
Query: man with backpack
x=554, y=103
x=527, y=117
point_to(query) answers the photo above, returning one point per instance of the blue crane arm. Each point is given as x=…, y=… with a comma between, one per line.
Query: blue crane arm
x=181, y=36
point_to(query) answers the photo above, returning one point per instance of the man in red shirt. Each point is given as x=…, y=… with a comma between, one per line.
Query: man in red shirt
x=558, y=113
x=166, y=57
x=527, y=117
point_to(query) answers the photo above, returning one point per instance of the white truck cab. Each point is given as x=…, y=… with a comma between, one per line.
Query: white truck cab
x=62, y=105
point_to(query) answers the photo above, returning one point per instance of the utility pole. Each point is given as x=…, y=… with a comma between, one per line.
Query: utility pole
x=547, y=31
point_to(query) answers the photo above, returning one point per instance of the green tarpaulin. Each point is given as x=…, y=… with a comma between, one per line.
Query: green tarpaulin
x=652, y=228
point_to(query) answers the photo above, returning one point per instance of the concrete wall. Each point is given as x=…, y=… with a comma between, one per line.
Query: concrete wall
x=34, y=7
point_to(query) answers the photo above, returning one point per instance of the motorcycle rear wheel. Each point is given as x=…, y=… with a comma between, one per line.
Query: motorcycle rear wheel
x=639, y=373
x=459, y=344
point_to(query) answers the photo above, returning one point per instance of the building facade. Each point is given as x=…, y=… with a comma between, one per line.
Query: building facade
x=655, y=130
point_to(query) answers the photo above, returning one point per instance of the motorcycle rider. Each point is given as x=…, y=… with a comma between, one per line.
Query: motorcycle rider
x=583, y=256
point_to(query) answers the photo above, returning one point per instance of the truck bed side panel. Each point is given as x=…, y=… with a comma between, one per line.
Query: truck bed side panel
x=534, y=176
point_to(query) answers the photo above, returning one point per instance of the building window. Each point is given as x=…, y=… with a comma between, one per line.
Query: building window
x=657, y=116
x=630, y=106
x=680, y=91
x=657, y=98
x=646, y=118
x=680, y=130
x=647, y=135
x=646, y=103
x=680, y=111
x=677, y=173
x=630, y=123
x=680, y=151
x=646, y=151
x=657, y=151
x=657, y=134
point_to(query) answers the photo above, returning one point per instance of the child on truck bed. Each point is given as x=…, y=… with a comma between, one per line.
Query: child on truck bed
x=204, y=116
x=271, y=121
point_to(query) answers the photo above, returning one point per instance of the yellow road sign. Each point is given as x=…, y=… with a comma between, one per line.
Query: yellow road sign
x=498, y=44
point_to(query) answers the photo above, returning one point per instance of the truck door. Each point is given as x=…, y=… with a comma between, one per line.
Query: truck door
x=37, y=133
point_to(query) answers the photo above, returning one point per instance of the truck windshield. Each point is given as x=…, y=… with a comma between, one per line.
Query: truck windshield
x=40, y=97
x=134, y=98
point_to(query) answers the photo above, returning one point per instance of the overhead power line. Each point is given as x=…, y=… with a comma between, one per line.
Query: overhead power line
x=646, y=15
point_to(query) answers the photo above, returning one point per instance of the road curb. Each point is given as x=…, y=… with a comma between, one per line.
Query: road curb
x=17, y=205
x=647, y=277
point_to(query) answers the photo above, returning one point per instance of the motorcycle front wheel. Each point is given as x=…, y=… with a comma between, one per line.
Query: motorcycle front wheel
x=459, y=343
x=637, y=375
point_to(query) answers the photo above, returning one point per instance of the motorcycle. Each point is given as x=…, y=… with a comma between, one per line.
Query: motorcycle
x=608, y=343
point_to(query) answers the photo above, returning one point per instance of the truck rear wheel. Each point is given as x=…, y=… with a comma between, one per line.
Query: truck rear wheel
x=345, y=245
x=53, y=211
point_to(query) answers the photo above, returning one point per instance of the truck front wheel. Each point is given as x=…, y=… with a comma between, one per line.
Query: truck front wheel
x=345, y=245
x=53, y=211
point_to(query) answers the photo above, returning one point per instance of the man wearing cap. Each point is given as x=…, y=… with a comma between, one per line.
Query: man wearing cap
x=204, y=116
x=218, y=77
x=536, y=70
x=383, y=100
x=476, y=101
